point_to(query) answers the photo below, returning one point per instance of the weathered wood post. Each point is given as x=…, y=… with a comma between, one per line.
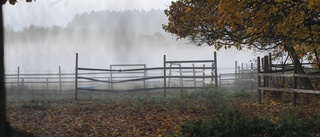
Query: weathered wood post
x=181, y=80
x=235, y=67
x=253, y=80
x=60, y=85
x=212, y=73
x=164, y=76
x=111, y=77
x=18, y=78
x=194, y=76
x=76, y=79
x=144, y=76
x=204, y=75
x=265, y=70
x=170, y=74
x=216, y=69
x=47, y=80
x=259, y=80
x=295, y=79
x=241, y=70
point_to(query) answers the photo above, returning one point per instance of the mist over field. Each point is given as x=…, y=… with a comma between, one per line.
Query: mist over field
x=103, y=38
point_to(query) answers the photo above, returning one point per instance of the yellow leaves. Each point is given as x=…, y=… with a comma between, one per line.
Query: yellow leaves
x=188, y=9
x=117, y=118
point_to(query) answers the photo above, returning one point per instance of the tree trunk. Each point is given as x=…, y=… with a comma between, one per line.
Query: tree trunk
x=3, y=119
x=5, y=129
x=305, y=81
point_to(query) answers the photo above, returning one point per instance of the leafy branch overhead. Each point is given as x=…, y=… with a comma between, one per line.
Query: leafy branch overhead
x=260, y=24
x=13, y=1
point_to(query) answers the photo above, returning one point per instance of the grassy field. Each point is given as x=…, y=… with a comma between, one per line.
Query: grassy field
x=204, y=113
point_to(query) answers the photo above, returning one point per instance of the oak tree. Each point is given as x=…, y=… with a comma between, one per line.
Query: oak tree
x=291, y=26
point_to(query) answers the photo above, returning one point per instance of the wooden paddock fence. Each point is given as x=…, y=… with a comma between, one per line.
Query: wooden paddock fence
x=170, y=71
x=243, y=78
x=284, y=78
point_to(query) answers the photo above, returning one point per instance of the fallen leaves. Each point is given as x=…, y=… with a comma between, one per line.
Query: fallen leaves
x=157, y=117
x=93, y=118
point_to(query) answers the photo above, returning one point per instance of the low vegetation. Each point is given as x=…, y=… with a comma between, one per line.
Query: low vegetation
x=185, y=113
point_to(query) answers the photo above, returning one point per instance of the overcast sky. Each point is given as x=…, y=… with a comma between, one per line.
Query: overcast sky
x=60, y=12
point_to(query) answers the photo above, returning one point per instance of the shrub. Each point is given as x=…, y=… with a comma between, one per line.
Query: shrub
x=295, y=126
x=229, y=122
x=232, y=122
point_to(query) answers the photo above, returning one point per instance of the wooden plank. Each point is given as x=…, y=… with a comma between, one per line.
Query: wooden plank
x=275, y=74
x=216, y=69
x=124, y=65
x=76, y=78
x=276, y=89
x=60, y=82
x=288, y=75
x=290, y=90
x=191, y=67
x=307, y=91
x=164, y=76
x=192, y=61
x=140, y=69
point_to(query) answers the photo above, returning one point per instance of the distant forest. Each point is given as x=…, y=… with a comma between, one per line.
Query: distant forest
x=97, y=26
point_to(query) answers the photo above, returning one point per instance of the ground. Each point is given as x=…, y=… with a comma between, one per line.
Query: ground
x=141, y=115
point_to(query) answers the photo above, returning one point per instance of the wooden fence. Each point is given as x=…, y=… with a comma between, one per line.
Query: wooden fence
x=19, y=79
x=59, y=78
x=243, y=78
x=285, y=79
x=171, y=67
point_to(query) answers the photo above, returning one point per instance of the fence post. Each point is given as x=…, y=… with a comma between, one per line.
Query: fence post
x=111, y=79
x=145, y=75
x=60, y=79
x=76, y=78
x=170, y=74
x=164, y=76
x=235, y=67
x=18, y=77
x=194, y=75
x=270, y=63
x=241, y=70
x=47, y=83
x=252, y=77
x=265, y=69
x=203, y=74
x=181, y=80
x=216, y=69
x=259, y=80
x=295, y=79
x=212, y=72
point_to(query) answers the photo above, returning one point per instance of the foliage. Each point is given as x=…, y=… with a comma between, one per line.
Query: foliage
x=230, y=122
x=233, y=122
x=279, y=25
x=13, y=1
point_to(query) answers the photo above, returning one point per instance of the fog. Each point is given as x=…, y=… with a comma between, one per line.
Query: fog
x=102, y=38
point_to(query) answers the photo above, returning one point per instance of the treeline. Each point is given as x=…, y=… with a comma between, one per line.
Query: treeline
x=98, y=26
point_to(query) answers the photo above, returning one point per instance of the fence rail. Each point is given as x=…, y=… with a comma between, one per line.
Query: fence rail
x=267, y=77
x=144, y=74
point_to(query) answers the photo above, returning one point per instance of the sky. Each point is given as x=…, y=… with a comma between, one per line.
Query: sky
x=60, y=12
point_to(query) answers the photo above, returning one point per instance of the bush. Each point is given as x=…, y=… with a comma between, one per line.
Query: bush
x=295, y=126
x=232, y=122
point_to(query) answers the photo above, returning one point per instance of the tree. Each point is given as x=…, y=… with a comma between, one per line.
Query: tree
x=291, y=26
x=5, y=130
